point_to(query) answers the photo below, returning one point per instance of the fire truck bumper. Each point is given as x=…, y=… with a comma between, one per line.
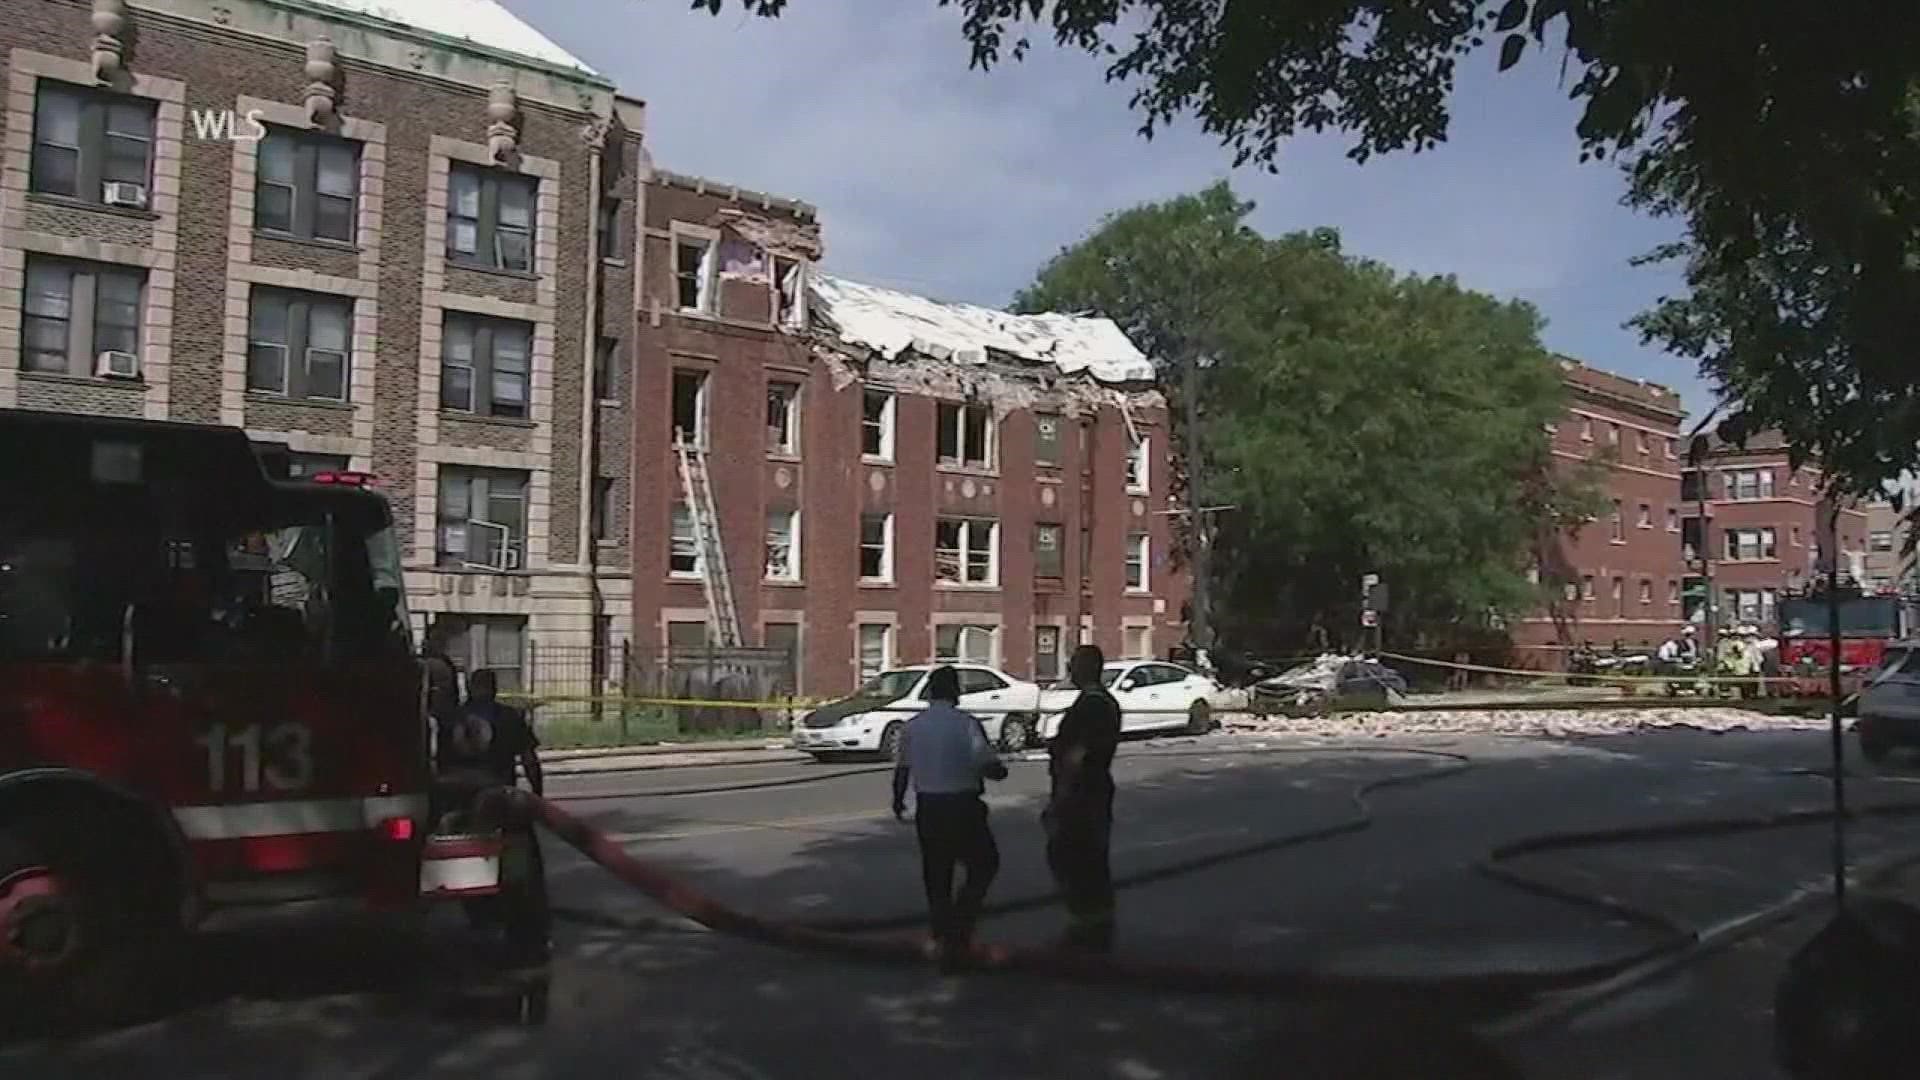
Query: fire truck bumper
x=458, y=867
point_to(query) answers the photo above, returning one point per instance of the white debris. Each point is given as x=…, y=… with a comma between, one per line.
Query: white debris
x=891, y=323
x=1548, y=723
x=482, y=22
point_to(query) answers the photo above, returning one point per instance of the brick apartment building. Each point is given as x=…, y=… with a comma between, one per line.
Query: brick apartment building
x=417, y=271
x=1621, y=573
x=1765, y=523
x=1890, y=567
x=896, y=479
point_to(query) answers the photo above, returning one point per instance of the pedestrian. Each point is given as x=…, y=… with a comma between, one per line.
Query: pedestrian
x=1079, y=815
x=944, y=757
x=483, y=752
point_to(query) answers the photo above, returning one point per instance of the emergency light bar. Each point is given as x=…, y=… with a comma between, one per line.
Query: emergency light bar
x=344, y=478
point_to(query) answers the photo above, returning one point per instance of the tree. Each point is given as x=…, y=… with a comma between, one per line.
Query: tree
x=1783, y=137
x=1358, y=420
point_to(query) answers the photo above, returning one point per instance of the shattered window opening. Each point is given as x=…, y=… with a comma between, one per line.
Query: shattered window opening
x=969, y=644
x=788, y=294
x=690, y=407
x=876, y=425
x=965, y=435
x=876, y=547
x=693, y=272
x=1137, y=464
x=964, y=551
x=783, y=545
x=683, y=549
x=783, y=418
x=1137, y=562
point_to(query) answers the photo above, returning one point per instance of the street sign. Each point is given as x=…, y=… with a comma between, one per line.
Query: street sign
x=1369, y=618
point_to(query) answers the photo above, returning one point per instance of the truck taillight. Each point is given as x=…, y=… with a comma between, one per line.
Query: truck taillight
x=397, y=829
x=345, y=478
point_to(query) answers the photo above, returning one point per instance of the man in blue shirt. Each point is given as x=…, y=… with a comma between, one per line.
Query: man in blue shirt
x=944, y=756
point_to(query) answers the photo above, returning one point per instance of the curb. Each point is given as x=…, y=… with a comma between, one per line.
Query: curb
x=740, y=746
x=590, y=766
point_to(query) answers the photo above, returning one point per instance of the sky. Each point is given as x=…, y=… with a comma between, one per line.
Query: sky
x=959, y=184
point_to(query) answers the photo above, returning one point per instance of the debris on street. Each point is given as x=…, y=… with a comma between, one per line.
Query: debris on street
x=1550, y=723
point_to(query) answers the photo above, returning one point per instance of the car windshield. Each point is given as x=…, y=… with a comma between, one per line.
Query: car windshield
x=890, y=685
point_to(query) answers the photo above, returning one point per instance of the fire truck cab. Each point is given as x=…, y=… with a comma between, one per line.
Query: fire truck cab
x=208, y=697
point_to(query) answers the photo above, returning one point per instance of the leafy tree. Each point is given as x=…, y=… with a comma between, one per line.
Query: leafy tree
x=1783, y=136
x=1358, y=420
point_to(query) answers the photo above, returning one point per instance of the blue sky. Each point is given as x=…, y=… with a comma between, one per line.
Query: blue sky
x=958, y=184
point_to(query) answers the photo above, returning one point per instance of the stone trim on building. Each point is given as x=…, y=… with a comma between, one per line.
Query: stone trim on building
x=159, y=258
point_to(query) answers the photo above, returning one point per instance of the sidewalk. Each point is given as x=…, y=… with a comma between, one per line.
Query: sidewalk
x=759, y=751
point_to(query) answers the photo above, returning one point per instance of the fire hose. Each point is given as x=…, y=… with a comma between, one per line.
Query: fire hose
x=859, y=938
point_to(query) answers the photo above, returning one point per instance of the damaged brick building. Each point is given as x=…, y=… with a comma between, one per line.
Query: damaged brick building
x=894, y=479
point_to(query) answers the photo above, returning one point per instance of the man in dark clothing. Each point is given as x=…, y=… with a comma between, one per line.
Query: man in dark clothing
x=481, y=752
x=944, y=754
x=1079, y=815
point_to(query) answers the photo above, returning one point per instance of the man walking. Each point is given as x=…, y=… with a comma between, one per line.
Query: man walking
x=1079, y=815
x=943, y=756
x=480, y=754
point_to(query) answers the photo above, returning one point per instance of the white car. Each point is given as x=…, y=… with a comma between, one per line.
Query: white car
x=872, y=718
x=1889, y=703
x=1153, y=695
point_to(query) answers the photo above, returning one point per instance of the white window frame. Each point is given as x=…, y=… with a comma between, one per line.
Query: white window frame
x=860, y=649
x=885, y=425
x=964, y=460
x=1140, y=545
x=789, y=446
x=1645, y=520
x=967, y=550
x=674, y=516
x=792, y=520
x=1673, y=519
x=1586, y=588
x=963, y=632
x=707, y=288
x=700, y=401
x=1586, y=429
x=1139, y=465
x=788, y=314
x=886, y=549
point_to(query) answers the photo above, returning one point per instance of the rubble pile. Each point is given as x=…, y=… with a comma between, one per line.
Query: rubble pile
x=1549, y=723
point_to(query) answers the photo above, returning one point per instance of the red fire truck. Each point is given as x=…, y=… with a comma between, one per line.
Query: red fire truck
x=1868, y=623
x=208, y=697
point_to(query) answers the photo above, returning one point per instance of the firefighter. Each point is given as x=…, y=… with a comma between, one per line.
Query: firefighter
x=483, y=753
x=1079, y=816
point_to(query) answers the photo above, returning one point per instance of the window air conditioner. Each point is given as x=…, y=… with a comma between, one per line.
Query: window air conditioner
x=121, y=193
x=117, y=365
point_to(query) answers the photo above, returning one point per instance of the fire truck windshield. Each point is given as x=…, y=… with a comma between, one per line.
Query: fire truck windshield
x=310, y=575
x=1860, y=617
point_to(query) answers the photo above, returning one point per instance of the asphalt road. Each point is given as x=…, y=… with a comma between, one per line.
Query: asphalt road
x=635, y=991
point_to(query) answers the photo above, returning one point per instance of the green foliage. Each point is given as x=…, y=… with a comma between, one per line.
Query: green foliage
x=1359, y=420
x=1782, y=135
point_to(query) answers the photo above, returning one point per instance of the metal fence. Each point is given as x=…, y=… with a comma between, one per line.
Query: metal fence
x=585, y=695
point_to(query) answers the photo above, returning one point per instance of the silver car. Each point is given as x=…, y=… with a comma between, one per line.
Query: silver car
x=1889, y=706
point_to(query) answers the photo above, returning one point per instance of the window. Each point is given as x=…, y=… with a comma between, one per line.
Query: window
x=686, y=637
x=305, y=186
x=1646, y=591
x=600, y=510
x=1046, y=653
x=484, y=366
x=606, y=369
x=876, y=425
x=1766, y=483
x=1613, y=435
x=876, y=649
x=1796, y=536
x=1049, y=560
x=1673, y=591
x=483, y=519
x=690, y=407
x=1669, y=441
x=683, y=547
x=1586, y=587
x=876, y=547
x=1046, y=439
x=493, y=643
x=1748, y=484
x=1619, y=597
x=965, y=435
x=76, y=312
x=301, y=466
x=1137, y=562
x=490, y=218
x=1137, y=464
x=784, y=636
x=1753, y=605
x=1136, y=642
x=1646, y=516
x=1747, y=545
x=607, y=225
x=297, y=345
x=93, y=146
x=1673, y=519
x=783, y=545
x=963, y=551
x=1640, y=437
x=693, y=272
x=967, y=644
x=1880, y=541
x=789, y=294
x=783, y=418
x=1586, y=429
x=1619, y=522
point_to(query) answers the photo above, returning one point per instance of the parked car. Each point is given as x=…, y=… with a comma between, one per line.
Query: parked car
x=871, y=719
x=1153, y=695
x=1889, y=704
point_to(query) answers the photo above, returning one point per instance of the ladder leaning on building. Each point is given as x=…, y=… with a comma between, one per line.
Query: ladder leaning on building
x=723, y=616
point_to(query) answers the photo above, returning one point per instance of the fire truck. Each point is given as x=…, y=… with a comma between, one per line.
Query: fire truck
x=1868, y=623
x=208, y=699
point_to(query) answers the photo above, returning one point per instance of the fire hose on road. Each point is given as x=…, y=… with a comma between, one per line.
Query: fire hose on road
x=860, y=938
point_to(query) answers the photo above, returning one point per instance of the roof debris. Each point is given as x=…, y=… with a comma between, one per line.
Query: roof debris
x=780, y=236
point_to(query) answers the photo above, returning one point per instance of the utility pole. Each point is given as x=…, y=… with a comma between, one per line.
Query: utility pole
x=1200, y=626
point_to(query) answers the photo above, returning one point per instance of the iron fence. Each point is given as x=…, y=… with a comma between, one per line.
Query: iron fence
x=584, y=695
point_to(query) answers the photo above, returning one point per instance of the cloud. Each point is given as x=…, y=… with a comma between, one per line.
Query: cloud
x=959, y=184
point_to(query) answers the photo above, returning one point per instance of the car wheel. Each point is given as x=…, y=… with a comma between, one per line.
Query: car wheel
x=1015, y=735
x=890, y=740
x=1199, y=718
